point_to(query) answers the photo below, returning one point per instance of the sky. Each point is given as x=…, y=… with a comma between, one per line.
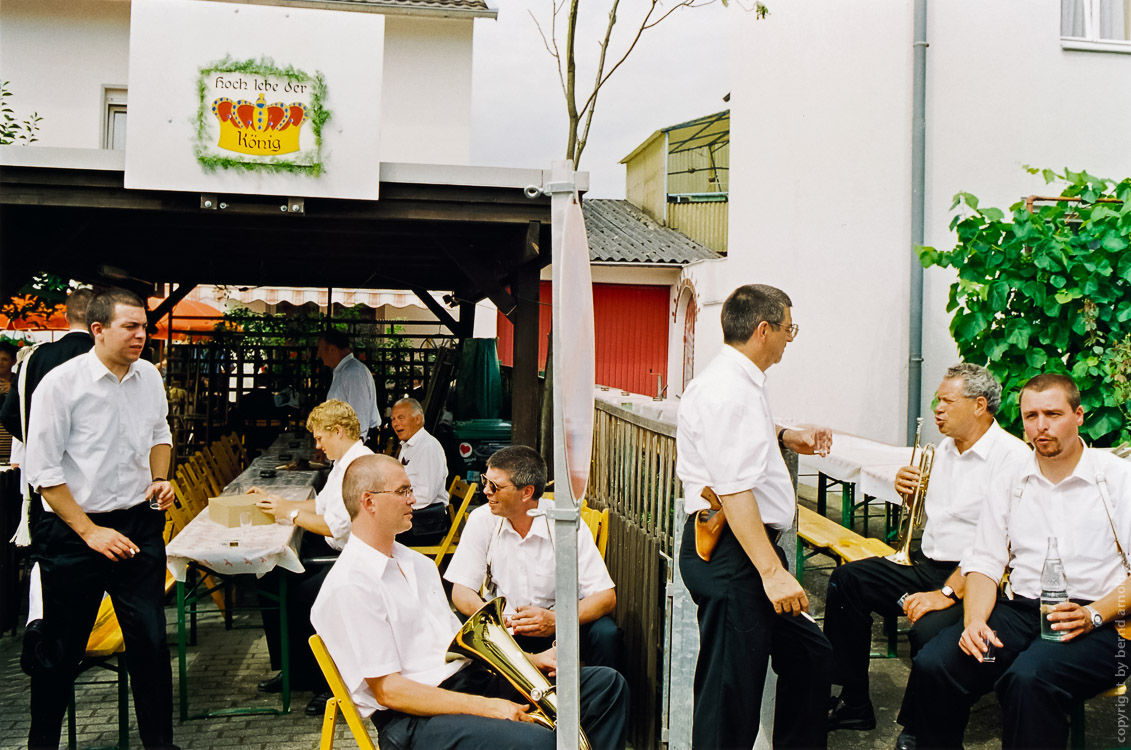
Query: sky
x=678, y=71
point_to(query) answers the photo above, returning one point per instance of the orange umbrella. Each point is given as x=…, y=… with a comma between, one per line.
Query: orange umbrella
x=190, y=315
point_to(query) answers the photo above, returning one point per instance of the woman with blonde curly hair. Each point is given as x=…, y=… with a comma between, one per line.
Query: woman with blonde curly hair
x=337, y=433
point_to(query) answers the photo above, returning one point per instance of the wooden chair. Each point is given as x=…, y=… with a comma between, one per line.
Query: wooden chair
x=342, y=701
x=105, y=643
x=598, y=523
x=206, y=474
x=460, y=492
x=218, y=465
x=238, y=452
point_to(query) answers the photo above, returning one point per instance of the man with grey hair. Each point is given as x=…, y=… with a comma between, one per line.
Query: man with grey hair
x=423, y=458
x=974, y=450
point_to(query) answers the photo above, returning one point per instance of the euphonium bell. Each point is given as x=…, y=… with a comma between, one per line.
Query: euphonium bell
x=914, y=512
x=484, y=638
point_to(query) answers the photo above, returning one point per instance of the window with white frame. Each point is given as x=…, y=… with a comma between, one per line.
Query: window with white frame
x=114, y=117
x=1095, y=21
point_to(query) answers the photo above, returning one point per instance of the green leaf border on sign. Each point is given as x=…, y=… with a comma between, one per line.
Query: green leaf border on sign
x=264, y=66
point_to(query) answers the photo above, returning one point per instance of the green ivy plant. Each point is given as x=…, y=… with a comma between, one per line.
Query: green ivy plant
x=1048, y=289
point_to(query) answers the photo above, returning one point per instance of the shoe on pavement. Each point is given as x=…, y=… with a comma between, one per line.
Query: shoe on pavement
x=272, y=685
x=317, y=705
x=905, y=741
x=858, y=718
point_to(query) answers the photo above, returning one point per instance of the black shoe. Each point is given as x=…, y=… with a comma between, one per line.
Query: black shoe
x=273, y=685
x=905, y=741
x=317, y=705
x=858, y=718
x=41, y=652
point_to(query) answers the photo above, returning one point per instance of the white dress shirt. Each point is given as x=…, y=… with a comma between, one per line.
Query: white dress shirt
x=960, y=487
x=380, y=615
x=353, y=383
x=1072, y=511
x=727, y=440
x=94, y=434
x=329, y=503
x=523, y=569
x=427, y=467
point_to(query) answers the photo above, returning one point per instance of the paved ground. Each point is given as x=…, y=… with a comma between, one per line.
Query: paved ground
x=225, y=666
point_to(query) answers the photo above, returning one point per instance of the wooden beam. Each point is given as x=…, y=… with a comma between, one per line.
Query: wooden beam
x=467, y=318
x=486, y=282
x=167, y=304
x=438, y=310
x=525, y=415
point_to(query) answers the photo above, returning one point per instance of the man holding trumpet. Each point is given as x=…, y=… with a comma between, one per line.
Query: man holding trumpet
x=975, y=449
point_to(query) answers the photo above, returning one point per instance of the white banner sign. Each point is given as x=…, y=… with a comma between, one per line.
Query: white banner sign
x=235, y=98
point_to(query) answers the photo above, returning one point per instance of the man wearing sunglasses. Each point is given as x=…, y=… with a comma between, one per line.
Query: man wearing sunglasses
x=506, y=551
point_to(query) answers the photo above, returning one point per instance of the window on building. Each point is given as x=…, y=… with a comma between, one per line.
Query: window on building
x=114, y=117
x=1102, y=21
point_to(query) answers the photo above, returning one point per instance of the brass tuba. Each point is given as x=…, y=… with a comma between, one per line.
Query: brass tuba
x=484, y=638
x=914, y=511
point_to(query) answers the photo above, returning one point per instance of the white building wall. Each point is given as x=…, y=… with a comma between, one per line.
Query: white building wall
x=820, y=176
x=58, y=54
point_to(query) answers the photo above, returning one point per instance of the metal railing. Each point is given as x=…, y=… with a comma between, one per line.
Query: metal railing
x=634, y=476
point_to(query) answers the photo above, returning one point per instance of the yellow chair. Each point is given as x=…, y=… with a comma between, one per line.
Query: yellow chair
x=342, y=701
x=235, y=445
x=463, y=492
x=598, y=523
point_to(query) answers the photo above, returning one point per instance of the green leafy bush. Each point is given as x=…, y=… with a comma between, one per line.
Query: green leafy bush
x=1048, y=290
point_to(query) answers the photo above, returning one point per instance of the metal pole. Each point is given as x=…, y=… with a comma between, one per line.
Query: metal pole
x=918, y=190
x=564, y=513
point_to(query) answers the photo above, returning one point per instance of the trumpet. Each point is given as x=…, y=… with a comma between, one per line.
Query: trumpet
x=484, y=638
x=914, y=512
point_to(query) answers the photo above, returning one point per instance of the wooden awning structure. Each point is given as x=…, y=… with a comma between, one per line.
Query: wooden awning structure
x=470, y=232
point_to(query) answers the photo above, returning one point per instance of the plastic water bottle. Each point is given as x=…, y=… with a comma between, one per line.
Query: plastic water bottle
x=1054, y=590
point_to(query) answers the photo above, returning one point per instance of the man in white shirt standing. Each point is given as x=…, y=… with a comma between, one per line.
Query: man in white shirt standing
x=750, y=607
x=975, y=449
x=386, y=622
x=423, y=458
x=352, y=381
x=1081, y=497
x=98, y=447
x=502, y=543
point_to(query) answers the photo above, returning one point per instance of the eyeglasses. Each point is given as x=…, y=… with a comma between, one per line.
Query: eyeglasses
x=793, y=329
x=492, y=487
x=403, y=492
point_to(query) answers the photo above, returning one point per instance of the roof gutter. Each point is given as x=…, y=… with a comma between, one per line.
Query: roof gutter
x=367, y=6
x=918, y=199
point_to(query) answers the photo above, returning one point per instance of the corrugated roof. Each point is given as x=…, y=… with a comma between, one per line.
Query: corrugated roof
x=619, y=232
x=441, y=8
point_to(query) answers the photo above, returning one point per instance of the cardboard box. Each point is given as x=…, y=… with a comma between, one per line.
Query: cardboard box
x=226, y=509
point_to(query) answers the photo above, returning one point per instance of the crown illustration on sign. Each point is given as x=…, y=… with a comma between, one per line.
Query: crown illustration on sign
x=259, y=128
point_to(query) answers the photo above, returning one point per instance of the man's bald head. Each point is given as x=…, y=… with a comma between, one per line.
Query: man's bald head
x=366, y=474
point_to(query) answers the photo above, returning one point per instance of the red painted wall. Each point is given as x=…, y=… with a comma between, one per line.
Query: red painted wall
x=631, y=332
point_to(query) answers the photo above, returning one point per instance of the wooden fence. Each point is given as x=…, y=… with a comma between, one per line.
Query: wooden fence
x=634, y=476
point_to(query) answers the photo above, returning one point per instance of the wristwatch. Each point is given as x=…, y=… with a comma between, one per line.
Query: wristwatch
x=1096, y=618
x=292, y=516
x=948, y=592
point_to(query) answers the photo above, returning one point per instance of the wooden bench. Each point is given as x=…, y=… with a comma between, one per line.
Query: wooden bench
x=829, y=536
x=1076, y=717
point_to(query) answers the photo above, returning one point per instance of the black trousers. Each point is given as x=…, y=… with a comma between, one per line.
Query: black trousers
x=739, y=633
x=856, y=590
x=302, y=590
x=1036, y=681
x=601, y=644
x=74, y=580
x=604, y=717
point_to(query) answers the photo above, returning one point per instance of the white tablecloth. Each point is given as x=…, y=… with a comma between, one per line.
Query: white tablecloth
x=879, y=482
x=850, y=454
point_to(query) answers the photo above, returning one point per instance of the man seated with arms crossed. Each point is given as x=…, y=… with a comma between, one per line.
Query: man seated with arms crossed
x=386, y=622
x=1080, y=496
x=423, y=458
x=975, y=449
x=514, y=551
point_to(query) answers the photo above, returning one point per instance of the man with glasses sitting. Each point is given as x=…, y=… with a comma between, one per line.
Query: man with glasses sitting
x=505, y=551
x=385, y=620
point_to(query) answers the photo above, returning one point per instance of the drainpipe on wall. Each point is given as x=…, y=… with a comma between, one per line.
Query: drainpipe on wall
x=918, y=190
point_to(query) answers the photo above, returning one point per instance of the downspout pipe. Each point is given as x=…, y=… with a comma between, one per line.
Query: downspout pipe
x=918, y=199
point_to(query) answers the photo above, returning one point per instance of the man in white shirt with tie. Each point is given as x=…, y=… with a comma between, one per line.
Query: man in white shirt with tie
x=98, y=448
x=1082, y=497
x=423, y=458
x=352, y=381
